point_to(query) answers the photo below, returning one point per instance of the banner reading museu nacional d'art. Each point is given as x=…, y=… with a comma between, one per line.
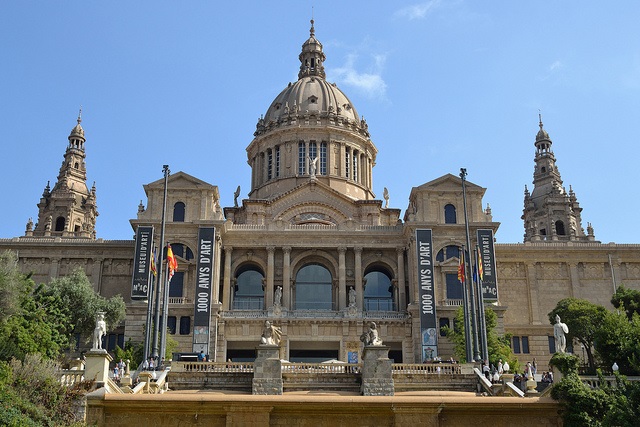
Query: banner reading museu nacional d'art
x=142, y=263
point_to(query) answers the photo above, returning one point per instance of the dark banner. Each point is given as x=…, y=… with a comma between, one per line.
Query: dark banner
x=488, y=257
x=426, y=295
x=204, y=284
x=142, y=263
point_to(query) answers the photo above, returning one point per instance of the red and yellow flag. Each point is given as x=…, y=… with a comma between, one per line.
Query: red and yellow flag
x=172, y=262
x=461, y=267
x=154, y=269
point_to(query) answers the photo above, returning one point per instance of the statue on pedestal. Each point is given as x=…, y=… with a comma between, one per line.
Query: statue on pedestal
x=559, y=331
x=99, y=331
x=371, y=337
x=271, y=335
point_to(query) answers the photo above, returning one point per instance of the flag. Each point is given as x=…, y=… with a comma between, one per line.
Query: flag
x=461, y=267
x=154, y=269
x=172, y=263
x=480, y=269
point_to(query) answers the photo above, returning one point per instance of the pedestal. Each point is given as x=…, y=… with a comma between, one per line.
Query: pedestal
x=267, y=371
x=97, y=366
x=377, y=375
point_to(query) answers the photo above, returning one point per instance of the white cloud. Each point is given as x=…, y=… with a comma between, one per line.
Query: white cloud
x=370, y=83
x=417, y=11
x=555, y=66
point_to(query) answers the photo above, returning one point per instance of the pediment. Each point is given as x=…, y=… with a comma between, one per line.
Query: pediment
x=447, y=183
x=180, y=181
x=313, y=203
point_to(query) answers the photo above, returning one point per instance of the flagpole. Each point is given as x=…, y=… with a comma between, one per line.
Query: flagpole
x=165, y=310
x=484, y=346
x=472, y=296
x=165, y=170
x=147, y=326
x=465, y=307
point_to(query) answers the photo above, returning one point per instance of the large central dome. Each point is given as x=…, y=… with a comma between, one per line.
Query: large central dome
x=311, y=130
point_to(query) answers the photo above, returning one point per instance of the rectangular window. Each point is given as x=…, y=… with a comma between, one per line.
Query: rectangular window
x=176, y=285
x=302, y=158
x=552, y=345
x=185, y=325
x=520, y=345
x=171, y=324
x=347, y=163
x=515, y=345
x=355, y=165
x=323, y=158
x=269, y=164
x=454, y=287
x=277, y=161
x=444, y=322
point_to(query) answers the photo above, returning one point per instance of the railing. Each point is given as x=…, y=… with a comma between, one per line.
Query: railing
x=248, y=303
x=71, y=377
x=227, y=367
x=452, y=302
x=179, y=300
x=245, y=314
x=378, y=304
x=426, y=368
x=321, y=368
x=594, y=381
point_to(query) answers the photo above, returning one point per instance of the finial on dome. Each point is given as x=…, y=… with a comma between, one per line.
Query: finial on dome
x=539, y=119
x=80, y=115
x=312, y=31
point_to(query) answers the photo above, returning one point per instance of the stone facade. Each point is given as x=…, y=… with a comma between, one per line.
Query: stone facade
x=313, y=228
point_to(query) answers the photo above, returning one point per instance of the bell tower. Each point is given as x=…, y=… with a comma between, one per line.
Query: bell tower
x=550, y=213
x=69, y=208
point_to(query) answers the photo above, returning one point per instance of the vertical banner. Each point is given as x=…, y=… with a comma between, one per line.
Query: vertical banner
x=142, y=263
x=428, y=321
x=488, y=257
x=204, y=284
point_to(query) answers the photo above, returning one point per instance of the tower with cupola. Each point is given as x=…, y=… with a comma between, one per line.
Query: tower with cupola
x=550, y=212
x=69, y=208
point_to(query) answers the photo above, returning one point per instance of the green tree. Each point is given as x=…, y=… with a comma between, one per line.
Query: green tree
x=35, y=323
x=498, y=346
x=583, y=318
x=81, y=303
x=11, y=285
x=618, y=340
x=627, y=300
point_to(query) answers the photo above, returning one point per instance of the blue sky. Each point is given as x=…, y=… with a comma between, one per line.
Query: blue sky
x=442, y=85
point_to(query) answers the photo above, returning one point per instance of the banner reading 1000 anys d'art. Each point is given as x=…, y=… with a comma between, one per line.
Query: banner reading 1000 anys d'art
x=426, y=295
x=142, y=263
x=204, y=283
x=488, y=257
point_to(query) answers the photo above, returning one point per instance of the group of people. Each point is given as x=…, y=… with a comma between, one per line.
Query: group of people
x=119, y=370
x=152, y=364
x=493, y=373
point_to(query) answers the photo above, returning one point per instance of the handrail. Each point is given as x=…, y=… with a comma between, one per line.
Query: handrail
x=228, y=367
x=321, y=368
x=426, y=368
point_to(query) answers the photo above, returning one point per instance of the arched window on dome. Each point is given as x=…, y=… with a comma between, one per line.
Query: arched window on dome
x=355, y=165
x=277, y=161
x=178, y=212
x=323, y=159
x=560, y=228
x=378, y=290
x=313, y=288
x=450, y=214
x=347, y=162
x=269, y=164
x=248, y=291
x=302, y=158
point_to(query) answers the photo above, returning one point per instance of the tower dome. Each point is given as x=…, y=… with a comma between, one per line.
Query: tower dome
x=311, y=129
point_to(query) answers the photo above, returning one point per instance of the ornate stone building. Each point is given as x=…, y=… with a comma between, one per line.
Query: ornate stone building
x=314, y=251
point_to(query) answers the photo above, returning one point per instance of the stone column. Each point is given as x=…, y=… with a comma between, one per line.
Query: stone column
x=270, y=274
x=358, y=274
x=226, y=286
x=286, y=277
x=342, y=279
x=402, y=297
x=377, y=375
x=267, y=371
